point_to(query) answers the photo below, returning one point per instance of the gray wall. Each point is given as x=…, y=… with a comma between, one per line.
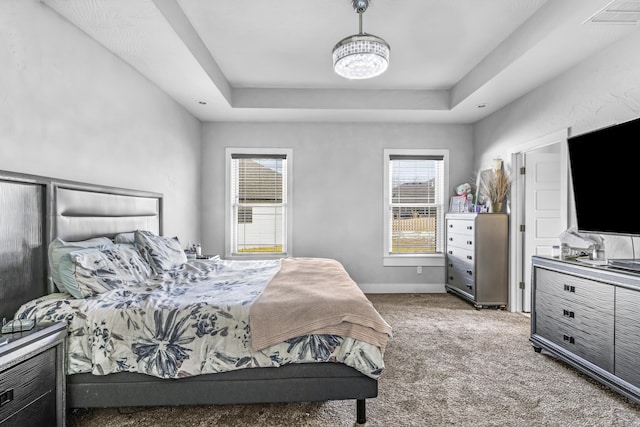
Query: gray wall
x=601, y=91
x=70, y=109
x=337, y=189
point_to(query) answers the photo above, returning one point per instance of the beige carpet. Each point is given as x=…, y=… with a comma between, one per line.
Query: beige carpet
x=447, y=365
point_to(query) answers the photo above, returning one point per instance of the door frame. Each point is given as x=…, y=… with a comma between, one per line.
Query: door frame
x=518, y=208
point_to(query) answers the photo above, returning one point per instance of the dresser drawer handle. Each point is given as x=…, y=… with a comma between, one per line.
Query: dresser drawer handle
x=6, y=397
x=470, y=272
x=469, y=227
x=470, y=287
x=451, y=239
x=571, y=340
x=570, y=288
x=451, y=278
x=451, y=264
x=567, y=313
x=469, y=257
x=450, y=252
x=469, y=242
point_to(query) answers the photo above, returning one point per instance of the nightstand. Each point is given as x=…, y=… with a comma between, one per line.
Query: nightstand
x=32, y=377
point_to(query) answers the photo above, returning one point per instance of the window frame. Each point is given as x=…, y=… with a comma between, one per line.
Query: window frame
x=410, y=260
x=229, y=220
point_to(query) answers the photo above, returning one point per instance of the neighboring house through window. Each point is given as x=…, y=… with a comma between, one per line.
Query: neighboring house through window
x=258, y=203
x=414, y=206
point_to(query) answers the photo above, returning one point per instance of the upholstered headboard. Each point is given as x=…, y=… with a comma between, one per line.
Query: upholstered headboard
x=34, y=210
x=84, y=212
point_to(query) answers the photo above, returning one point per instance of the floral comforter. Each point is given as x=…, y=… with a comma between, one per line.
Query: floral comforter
x=188, y=321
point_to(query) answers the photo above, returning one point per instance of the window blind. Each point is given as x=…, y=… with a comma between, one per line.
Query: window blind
x=259, y=198
x=416, y=202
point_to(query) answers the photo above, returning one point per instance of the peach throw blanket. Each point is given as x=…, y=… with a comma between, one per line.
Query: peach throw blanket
x=314, y=296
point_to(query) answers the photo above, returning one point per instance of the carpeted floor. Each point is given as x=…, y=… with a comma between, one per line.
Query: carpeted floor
x=447, y=365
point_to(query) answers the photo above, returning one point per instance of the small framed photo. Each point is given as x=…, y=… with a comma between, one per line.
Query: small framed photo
x=458, y=204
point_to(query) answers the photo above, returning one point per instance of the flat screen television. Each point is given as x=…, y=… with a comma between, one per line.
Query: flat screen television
x=605, y=175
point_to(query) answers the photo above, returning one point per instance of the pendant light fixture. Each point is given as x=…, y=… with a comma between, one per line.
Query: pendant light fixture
x=362, y=55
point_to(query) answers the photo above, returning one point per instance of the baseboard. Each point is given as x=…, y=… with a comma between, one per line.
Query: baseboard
x=402, y=288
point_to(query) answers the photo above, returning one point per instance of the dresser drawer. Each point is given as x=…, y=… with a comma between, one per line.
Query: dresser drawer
x=460, y=226
x=594, y=345
x=461, y=279
x=594, y=322
x=30, y=385
x=460, y=256
x=590, y=293
x=462, y=241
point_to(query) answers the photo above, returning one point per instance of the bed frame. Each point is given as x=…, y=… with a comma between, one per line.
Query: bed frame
x=41, y=209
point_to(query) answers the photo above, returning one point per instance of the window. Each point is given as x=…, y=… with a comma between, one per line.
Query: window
x=415, y=187
x=258, y=204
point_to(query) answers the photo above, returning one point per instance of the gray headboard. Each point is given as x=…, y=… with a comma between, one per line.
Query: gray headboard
x=34, y=210
x=84, y=212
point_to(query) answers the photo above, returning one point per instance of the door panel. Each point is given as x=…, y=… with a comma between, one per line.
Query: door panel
x=543, y=222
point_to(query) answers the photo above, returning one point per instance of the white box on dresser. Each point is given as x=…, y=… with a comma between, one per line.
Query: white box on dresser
x=477, y=250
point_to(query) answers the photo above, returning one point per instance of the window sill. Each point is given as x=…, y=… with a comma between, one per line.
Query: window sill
x=432, y=260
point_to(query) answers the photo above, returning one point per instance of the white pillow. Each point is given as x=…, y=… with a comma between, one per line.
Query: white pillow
x=59, y=248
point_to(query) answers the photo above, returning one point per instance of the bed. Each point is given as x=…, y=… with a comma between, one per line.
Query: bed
x=314, y=360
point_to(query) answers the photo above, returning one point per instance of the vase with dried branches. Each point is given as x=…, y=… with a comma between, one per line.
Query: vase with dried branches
x=497, y=187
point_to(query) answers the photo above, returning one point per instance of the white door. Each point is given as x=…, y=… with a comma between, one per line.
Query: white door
x=543, y=213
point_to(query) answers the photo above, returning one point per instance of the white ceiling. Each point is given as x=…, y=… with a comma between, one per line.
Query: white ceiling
x=270, y=60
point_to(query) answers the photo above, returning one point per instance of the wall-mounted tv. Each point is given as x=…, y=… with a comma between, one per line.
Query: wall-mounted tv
x=605, y=173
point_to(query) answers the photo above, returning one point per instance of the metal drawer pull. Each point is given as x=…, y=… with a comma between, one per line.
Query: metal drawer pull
x=469, y=286
x=469, y=257
x=568, y=338
x=470, y=272
x=570, y=288
x=451, y=239
x=451, y=264
x=567, y=313
x=450, y=252
x=6, y=397
x=451, y=278
x=469, y=242
x=469, y=227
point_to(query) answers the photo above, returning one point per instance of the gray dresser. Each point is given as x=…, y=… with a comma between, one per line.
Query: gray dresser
x=477, y=249
x=589, y=316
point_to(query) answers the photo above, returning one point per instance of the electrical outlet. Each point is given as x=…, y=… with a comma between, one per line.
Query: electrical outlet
x=419, y=269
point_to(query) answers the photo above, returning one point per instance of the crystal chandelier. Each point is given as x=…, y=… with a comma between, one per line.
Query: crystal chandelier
x=362, y=55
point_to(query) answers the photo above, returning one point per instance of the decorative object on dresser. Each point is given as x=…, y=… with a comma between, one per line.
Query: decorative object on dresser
x=477, y=247
x=494, y=185
x=32, y=378
x=588, y=315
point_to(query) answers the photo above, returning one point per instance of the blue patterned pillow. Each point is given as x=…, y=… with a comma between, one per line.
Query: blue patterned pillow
x=88, y=272
x=162, y=253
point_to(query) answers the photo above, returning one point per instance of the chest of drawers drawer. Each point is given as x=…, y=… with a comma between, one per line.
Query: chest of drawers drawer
x=28, y=391
x=460, y=226
x=576, y=289
x=462, y=241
